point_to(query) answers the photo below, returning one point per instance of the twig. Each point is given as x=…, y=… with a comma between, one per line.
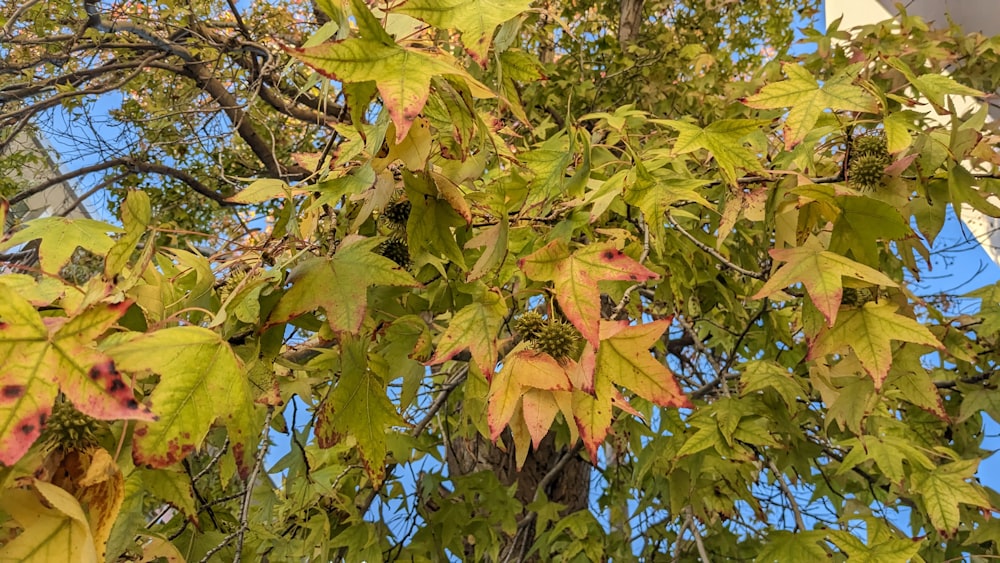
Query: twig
x=702, y=552
x=225, y=541
x=642, y=258
x=245, y=509
x=548, y=478
x=713, y=252
x=450, y=385
x=800, y=525
x=721, y=378
x=211, y=462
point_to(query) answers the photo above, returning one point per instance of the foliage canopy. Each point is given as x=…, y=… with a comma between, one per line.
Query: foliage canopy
x=497, y=280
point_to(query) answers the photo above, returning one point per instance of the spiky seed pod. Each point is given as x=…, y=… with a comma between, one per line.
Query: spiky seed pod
x=872, y=145
x=866, y=172
x=69, y=428
x=396, y=214
x=558, y=340
x=529, y=325
x=857, y=297
x=395, y=250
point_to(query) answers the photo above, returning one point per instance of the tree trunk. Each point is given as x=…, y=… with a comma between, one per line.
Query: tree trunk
x=570, y=487
x=630, y=21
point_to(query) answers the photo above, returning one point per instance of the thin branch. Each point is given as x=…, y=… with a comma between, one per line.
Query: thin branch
x=626, y=297
x=713, y=252
x=702, y=552
x=245, y=509
x=800, y=525
x=211, y=462
x=450, y=385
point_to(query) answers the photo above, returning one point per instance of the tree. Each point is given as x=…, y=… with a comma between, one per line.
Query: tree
x=501, y=280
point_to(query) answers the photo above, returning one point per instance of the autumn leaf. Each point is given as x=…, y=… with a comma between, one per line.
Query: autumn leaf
x=821, y=272
x=522, y=369
x=592, y=413
x=39, y=357
x=55, y=527
x=474, y=327
x=403, y=76
x=808, y=99
x=576, y=276
x=358, y=407
x=539, y=408
x=339, y=285
x=102, y=491
x=869, y=330
x=201, y=382
x=476, y=19
x=722, y=138
x=60, y=237
x=944, y=488
x=624, y=358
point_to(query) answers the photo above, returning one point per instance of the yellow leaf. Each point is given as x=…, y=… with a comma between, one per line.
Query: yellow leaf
x=55, y=528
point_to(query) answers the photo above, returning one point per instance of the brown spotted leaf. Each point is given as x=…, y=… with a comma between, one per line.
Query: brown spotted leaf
x=41, y=356
x=576, y=276
x=201, y=382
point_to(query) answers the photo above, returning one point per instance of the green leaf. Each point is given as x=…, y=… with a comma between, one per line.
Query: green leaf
x=476, y=19
x=60, y=237
x=785, y=546
x=136, y=216
x=862, y=224
x=821, y=272
x=946, y=487
x=196, y=369
x=762, y=374
x=868, y=331
x=723, y=138
x=339, y=285
x=576, y=276
x=358, y=407
x=808, y=99
x=403, y=76
x=884, y=551
x=475, y=327
x=989, y=308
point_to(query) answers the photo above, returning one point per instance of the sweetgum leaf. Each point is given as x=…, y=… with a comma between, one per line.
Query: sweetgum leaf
x=723, y=138
x=624, y=358
x=808, y=99
x=946, y=487
x=55, y=527
x=522, y=369
x=576, y=276
x=403, y=76
x=339, y=285
x=39, y=357
x=820, y=271
x=201, y=382
x=868, y=331
x=60, y=237
x=358, y=407
x=476, y=327
x=476, y=19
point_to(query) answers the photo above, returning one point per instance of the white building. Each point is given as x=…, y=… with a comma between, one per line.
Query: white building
x=973, y=15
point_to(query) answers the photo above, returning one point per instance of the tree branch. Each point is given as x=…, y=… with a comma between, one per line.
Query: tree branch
x=713, y=252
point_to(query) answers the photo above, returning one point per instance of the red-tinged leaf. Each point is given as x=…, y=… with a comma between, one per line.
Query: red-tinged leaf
x=821, y=272
x=476, y=19
x=592, y=414
x=576, y=276
x=539, y=409
x=522, y=369
x=403, y=76
x=868, y=331
x=581, y=374
x=197, y=369
x=475, y=327
x=521, y=436
x=625, y=359
x=339, y=285
x=39, y=357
